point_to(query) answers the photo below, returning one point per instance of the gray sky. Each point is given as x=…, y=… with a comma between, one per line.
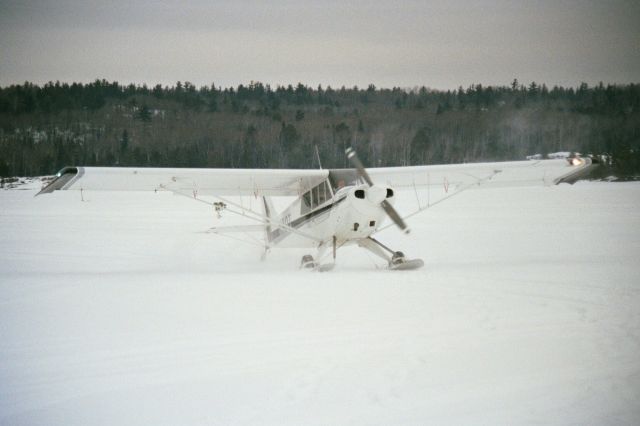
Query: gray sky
x=439, y=44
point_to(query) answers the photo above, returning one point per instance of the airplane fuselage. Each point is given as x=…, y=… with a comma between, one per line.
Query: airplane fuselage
x=350, y=214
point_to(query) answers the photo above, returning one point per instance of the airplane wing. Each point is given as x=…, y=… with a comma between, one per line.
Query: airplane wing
x=203, y=181
x=514, y=173
x=435, y=184
x=275, y=182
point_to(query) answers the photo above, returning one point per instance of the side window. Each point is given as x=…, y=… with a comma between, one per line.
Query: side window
x=305, y=203
x=323, y=193
x=315, y=197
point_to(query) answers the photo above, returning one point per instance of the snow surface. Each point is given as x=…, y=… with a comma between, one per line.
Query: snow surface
x=120, y=310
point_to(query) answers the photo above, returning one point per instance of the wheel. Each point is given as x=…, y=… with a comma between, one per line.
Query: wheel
x=307, y=261
x=397, y=258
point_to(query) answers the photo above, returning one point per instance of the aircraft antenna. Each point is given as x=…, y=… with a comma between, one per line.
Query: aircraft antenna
x=318, y=156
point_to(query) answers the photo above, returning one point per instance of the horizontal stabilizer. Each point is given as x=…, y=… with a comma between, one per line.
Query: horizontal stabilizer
x=236, y=228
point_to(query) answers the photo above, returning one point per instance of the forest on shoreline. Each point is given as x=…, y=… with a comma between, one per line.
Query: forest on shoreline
x=43, y=128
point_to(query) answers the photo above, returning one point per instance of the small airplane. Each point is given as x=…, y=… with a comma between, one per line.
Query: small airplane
x=332, y=208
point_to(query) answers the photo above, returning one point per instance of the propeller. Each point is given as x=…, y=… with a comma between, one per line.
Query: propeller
x=385, y=204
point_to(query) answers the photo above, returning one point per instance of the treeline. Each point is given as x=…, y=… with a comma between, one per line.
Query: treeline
x=43, y=128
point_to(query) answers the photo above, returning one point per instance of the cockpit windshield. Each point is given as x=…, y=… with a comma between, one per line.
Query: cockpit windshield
x=342, y=177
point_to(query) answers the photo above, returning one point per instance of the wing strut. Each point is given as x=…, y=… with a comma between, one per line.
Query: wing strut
x=259, y=218
x=453, y=194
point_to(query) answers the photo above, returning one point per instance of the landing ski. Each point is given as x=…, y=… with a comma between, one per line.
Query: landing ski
x=326, y=267
x=407, y=265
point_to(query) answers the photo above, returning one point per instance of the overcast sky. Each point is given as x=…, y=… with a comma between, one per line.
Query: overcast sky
x=438, y=44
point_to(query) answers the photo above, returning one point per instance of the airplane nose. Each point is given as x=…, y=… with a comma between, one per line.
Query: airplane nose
x=376, y=194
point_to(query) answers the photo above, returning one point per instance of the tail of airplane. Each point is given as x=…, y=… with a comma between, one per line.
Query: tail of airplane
x=270, y=214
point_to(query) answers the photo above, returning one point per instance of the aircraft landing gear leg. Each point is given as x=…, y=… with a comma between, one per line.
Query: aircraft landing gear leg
x=334, y=248
x=395, y=259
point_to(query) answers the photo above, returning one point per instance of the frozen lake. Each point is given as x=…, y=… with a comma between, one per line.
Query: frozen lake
x=121, y=310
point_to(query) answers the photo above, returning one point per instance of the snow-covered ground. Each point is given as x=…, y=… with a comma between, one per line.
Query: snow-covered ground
x=120, y=310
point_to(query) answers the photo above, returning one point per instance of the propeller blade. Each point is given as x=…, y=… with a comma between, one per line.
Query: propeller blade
x=395, y=217
x=353, y=157
x=386, y=205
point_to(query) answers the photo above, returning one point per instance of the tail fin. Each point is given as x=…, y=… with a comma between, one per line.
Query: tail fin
x=270, y=213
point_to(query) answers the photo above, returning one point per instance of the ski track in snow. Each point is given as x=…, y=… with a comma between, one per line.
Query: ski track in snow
x=121, y=310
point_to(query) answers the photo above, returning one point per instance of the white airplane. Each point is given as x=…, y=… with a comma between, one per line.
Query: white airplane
x=333, y=208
